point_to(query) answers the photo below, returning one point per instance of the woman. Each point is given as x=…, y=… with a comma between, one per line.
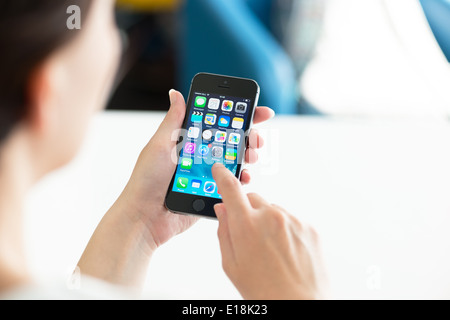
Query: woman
x=52, y=80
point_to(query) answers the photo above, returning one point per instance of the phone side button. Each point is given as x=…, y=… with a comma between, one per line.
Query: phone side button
x=198, y=205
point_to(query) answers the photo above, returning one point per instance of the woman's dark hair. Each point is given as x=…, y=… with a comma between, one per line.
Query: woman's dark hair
x=30, y=30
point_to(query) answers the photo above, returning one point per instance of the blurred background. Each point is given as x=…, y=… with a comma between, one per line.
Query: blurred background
x=310, y=57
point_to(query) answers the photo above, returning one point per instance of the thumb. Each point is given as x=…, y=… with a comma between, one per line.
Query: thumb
x=174, y=118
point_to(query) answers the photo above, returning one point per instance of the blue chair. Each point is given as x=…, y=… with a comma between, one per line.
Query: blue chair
x=231, y=37
x=438, y=15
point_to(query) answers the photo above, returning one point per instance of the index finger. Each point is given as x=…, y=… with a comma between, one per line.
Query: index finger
x=263, y=114
x=230, y=189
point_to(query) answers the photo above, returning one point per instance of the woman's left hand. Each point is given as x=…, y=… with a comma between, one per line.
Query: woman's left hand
x=138, y=223
x=147, y=188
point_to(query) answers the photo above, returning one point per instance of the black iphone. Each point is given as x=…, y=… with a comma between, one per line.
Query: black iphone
x=219, y=116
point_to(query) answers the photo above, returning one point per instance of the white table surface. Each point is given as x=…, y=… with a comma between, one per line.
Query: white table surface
x=377, y=191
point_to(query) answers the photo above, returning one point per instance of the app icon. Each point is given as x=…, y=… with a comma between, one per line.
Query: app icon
x=231, y=154
x=182, y=183
x=197, y=116
x=217, y=152
x=186, y=163
x=210, y=187
x=193, y=132
x=189, y=148
x=224, y=121
x=203, y=150
x=221, y=136
x=196, y=184
x=241, y=107
x=210, y=119
x=238, y=123
x=227, y=105
x=207, y=135
x=214, y=104
x=200, y=102
x=234, y=138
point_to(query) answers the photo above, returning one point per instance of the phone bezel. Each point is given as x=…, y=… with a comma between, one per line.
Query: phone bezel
x=180, y=203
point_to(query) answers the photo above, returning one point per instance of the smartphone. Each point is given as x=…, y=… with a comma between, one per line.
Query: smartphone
x=219, y=116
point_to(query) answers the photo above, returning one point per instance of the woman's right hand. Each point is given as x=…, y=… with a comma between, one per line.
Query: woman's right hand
x=266, y=252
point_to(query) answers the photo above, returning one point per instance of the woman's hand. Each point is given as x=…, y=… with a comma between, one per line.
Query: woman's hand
x=266, y=252
x=139, y=222
x=154, y=170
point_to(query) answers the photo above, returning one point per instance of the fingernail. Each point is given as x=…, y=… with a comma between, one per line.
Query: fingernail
x=273, y=113
x=172, y=96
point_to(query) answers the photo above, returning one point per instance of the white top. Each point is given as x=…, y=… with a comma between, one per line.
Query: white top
x=379, y=58
x=85, y=289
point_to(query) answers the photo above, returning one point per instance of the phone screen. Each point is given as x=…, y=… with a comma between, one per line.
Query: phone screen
x=214, y=132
